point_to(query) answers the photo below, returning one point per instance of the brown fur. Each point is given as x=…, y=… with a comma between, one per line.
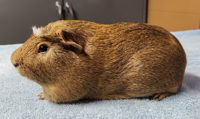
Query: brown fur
x=116, y=61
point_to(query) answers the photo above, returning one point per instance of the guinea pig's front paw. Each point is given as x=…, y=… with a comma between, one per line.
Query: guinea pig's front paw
x=41, y=96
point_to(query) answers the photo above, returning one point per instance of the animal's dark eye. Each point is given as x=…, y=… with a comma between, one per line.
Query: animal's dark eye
x=42, y=48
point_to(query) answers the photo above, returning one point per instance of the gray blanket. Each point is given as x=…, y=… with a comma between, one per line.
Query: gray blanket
x=18, y=96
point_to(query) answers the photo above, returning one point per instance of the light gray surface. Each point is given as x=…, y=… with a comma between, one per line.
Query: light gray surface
x=18, y=96
x=18, y=16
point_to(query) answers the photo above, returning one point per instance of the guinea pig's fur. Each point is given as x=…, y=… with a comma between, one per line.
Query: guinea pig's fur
x=73, y=60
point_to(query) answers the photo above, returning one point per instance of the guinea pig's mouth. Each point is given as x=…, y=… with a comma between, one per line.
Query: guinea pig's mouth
x=17, y=65
x=27, y=72
x=20, y=69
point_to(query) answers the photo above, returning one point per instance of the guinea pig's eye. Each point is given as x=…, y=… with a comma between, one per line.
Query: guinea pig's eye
x=42, y=48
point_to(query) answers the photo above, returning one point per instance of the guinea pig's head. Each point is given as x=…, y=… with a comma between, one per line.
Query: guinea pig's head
x=46, y=57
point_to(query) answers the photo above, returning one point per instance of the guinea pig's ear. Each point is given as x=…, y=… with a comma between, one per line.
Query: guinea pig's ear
x=73, y=41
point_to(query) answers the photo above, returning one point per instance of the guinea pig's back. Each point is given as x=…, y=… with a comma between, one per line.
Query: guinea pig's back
x=147, y=59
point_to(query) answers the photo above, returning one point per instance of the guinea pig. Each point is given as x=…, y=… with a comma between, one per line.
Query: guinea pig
x=74, y=60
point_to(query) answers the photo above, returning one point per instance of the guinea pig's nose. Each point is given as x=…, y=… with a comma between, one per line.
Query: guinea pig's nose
x=16, y=64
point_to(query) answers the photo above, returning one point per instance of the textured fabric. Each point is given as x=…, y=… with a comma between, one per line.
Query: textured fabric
x=18, y=96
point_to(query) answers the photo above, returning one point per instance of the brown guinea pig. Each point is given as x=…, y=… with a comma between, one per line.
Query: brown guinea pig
x=73, y=60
